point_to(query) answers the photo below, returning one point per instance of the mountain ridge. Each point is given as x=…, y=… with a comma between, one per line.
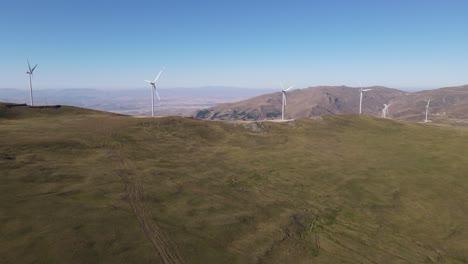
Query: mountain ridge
x=323, y=100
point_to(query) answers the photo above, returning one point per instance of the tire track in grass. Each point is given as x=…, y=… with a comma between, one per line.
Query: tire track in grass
x=165, y=248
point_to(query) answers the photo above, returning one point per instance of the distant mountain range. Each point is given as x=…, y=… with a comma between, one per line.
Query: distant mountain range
x=232, y=103
x=449, y=102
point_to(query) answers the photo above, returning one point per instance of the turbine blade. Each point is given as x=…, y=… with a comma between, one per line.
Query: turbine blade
x=156, y=90
x=29, y=66
x=33, y=68
x=365, y=90
x=290, y=88
x=147, y=81
x=157, y=77
x=282, y=86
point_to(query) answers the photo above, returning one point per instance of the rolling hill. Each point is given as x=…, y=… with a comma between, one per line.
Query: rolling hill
x=80, y=186
x=20, y=111
x=316, y=101
x=450, y=102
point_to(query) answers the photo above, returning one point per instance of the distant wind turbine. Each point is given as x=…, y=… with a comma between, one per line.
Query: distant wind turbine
x=385, y=110
x=427, y=110
x=284, y=99
x=30, y=72
x=154, y=90
x=360, y=98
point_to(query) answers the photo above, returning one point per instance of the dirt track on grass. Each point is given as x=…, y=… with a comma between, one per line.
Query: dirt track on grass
x=165, y=248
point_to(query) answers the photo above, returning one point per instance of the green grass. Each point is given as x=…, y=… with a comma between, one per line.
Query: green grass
x=351, y=189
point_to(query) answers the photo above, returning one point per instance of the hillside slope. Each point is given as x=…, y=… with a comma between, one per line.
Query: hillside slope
x=16, y=111
x=450, y=102
x=312, y=101
x=111, y=189
x=446, y=103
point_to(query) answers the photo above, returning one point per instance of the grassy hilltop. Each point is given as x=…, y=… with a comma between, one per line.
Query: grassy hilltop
x=81, y=186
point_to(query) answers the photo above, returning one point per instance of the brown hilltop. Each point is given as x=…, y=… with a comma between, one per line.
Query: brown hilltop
x=446, y=103
x=449, y=102
x=312, y=101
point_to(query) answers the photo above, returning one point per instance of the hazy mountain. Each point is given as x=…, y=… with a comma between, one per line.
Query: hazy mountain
x=449, y=102
x=313, y=101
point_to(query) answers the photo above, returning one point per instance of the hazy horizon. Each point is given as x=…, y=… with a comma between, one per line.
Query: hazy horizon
x=407, y=89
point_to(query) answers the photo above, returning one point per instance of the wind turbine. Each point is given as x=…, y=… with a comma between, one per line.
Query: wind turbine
x=427, y=110
x=284, y=99
x=385, y=110
x=30, y=72
x=360, y=98
x=154, y=90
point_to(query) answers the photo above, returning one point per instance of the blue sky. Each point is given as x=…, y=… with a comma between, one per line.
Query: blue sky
x=118, y=44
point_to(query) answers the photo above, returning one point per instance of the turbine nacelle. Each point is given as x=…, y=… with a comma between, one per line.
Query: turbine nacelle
x=385, y=110
x=284, y=98
x=30, y=72
x=289, y=88
x=361, y=92
x=154, y=90
x=427, y=110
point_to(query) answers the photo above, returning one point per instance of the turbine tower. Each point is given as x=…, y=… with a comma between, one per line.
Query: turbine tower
x=360, y=97
x=30, y=72
x=154, y=90
x=284, y=99
x=427, y=110
x=385, y=110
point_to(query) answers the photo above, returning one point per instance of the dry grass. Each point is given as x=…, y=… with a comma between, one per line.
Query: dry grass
x=342, y=189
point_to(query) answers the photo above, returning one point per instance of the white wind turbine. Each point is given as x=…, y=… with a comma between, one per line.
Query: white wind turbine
x=385, y=110
x=30, y=72
x=427, y=110
x=360, y=98
x=284, y=99
x=154, y=90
